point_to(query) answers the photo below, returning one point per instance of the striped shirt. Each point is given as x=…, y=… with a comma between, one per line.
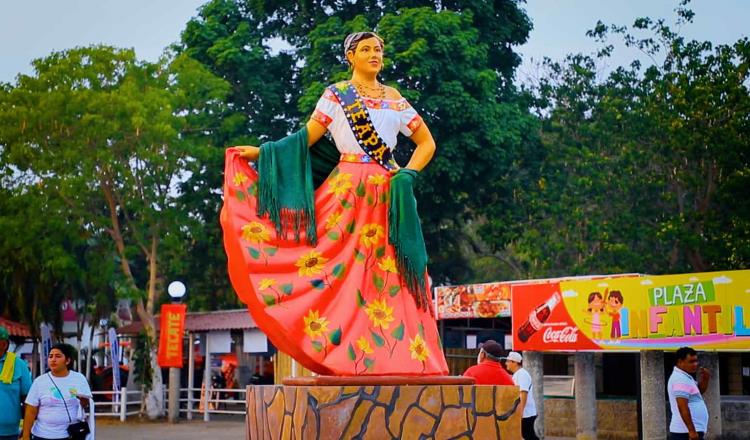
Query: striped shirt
x=682, y=385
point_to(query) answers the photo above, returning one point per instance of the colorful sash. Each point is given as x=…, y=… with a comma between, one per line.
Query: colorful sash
x=362, y=126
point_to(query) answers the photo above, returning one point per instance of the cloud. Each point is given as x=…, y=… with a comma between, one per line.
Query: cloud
x=646, y=282
x=603, y=285
x=570, y=294
x=722, y=280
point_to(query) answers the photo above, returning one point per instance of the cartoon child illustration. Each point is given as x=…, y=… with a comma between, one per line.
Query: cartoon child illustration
x=595, y=310
x=614, y=304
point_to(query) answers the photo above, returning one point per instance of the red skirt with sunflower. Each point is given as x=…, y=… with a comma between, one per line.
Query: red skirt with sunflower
x=341, y=307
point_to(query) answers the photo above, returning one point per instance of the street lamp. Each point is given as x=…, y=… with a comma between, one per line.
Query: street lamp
x=176, y=291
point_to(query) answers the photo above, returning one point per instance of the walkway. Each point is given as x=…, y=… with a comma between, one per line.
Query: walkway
x=194, y=430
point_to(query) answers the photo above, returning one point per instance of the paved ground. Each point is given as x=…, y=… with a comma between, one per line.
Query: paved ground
x=107, y=429
x=195, y=430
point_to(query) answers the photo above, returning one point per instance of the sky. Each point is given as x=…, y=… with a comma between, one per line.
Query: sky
x=32, y=29
x=560, y=26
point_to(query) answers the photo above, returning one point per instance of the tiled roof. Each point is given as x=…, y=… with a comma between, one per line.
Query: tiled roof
x=204, y=321
x=16, y=329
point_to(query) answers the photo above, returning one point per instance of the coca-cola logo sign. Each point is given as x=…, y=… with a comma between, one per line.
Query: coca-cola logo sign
x=568, y=334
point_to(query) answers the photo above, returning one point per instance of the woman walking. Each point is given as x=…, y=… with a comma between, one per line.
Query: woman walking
x=57, y=399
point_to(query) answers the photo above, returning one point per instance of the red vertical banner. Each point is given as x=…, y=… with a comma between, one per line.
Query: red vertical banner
x=170, y=337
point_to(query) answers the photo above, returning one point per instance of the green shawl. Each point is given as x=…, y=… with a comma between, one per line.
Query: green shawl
x=405, y=234
x=285, y=186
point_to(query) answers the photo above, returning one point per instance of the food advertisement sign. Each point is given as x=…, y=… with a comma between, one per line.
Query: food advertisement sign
x=488, y=300
x=707, y=311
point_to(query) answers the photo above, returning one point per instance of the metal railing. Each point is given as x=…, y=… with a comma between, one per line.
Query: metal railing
x=213, y=401
x=118, y=407
x=192, y=401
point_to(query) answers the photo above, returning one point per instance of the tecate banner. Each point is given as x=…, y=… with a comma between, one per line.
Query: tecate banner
x=707, y=311
x=170, y=335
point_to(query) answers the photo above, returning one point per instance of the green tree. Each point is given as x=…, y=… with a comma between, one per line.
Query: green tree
x=501, y=24
x=229, y=41
x=45, y=258
x=644, y=168
x=36, y=257
x=113, y=137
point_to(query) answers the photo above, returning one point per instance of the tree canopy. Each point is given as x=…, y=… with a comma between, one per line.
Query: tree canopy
x=643, y=169
x=106, y=139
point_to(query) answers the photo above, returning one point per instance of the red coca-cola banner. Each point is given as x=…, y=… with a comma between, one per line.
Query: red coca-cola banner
x=541, y=318
x=170, y=337
x=542, y=323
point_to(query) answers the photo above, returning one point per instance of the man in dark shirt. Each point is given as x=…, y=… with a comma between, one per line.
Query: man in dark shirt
x=488, y=370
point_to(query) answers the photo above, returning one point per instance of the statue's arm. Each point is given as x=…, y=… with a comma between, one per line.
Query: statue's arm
x=425, y=148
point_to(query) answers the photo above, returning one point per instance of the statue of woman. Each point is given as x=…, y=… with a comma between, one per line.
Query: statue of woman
x=347, y=293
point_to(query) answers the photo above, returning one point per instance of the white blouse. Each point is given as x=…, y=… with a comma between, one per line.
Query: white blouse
x=388, y=116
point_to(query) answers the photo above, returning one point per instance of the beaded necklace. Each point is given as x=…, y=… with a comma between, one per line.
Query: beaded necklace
x=368, y=91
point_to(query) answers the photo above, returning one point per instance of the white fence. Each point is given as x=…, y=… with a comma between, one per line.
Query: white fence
x=218, y=401
x=192, y=401
x=121, y=405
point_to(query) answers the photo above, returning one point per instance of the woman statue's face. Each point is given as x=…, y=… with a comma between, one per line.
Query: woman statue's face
x=368, y=56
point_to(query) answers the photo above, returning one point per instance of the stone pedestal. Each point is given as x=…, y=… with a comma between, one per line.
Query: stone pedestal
x=276, y=412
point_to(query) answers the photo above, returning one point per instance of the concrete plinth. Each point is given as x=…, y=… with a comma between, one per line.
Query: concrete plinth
x=585, y=393
x=712, y=396
x=533, y=362
x=277, y=412
x=653, y=399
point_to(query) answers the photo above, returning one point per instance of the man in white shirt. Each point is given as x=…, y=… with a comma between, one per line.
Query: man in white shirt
x=522, y=378
x=689, y=411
